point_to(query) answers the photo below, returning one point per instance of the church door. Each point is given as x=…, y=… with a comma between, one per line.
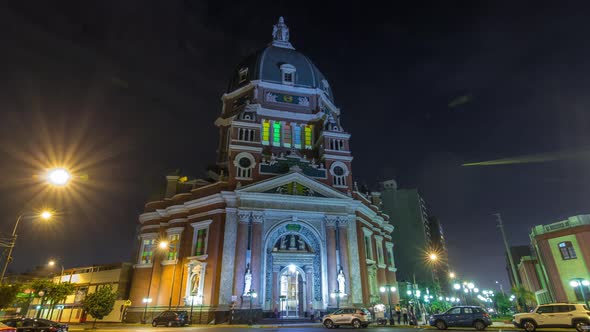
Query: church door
x=291, y=296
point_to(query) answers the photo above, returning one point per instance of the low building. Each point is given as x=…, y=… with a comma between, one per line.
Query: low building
x=87, y=280
x=562, y=250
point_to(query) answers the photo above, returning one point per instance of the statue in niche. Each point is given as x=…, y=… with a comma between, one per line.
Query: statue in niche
x=292, y=242
x=341, y=282
x=301, y=243
x=247, y=281
x=195, y=280
x=284, y=242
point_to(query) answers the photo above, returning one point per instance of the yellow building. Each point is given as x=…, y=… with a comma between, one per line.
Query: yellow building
x=87, y=280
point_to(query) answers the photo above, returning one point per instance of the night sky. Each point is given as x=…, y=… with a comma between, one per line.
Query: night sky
x=127, y=91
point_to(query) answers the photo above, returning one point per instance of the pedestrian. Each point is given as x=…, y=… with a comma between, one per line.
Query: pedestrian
x=405, y=315
x=398, y=313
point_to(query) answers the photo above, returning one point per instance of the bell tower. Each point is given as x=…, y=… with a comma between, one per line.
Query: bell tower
x=278, y=116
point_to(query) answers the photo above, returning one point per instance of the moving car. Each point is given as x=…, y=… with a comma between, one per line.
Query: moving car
x=35, y=325
x=171, y=318
x=356, y=318
x=462, y=316
x=6, y=328
x=555, y=315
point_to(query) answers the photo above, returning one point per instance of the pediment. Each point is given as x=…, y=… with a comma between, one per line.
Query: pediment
x=295, y=184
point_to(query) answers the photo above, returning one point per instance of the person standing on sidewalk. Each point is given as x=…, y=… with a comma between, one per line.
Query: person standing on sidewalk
x=405, y=315
x=398, y=313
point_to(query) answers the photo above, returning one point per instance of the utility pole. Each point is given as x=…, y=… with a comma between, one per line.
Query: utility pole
x=510, y=259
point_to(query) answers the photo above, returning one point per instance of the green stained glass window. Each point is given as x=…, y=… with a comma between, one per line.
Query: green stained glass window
x=201, y=242
x=276, y=133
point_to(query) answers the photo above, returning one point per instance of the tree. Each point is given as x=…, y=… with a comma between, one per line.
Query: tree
x=100, y=303
x=8, y=294
x=503, y=303
x=57, y=293
x=523, y=297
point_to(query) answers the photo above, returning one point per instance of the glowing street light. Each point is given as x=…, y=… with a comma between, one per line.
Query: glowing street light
x=470, y=285
x=457, y=286
x=58, y=176
x=433, y=257
x=163, y=244
x=45, y=215
x=452, y=275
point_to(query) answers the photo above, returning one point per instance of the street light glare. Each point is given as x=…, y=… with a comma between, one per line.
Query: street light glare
x=58, y=176
x=46, y=215
x=51, y=263
x=452, y=275
x=433, y=257
x=163, y=244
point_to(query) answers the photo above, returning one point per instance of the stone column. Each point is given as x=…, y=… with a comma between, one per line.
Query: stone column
x=309, y=288
x=354, y=267
x=343, y=224
x=331, y=256
x=256, y=248
x=276, y=292
x=228, y=259
x=240, y=259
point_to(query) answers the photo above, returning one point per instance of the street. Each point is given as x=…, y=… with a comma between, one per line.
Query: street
x=228, y=328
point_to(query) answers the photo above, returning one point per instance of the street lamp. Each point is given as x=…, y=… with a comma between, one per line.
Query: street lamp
x=58, y=176
x=389, y=289
x=52, y=264
x=581, y=283
x=337, y=295
x=252, y=294
x=162, y=245
x=452, y=275
x=45, y=215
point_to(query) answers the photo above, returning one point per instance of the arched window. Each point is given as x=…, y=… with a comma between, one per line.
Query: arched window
x=567, y=250
x=244, y=163
x=339, y=173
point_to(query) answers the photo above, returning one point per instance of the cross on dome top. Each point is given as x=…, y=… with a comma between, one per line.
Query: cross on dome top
x=280, y=34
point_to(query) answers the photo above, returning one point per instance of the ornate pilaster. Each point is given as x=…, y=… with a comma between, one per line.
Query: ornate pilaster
x=355, y=273
x=228, y=258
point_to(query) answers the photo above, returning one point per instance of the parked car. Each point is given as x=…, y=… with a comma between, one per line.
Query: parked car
x=462, y=316
x=6, y=328
x=555, y=315
x=356, y=318
x=171, y=318
x=35, y=325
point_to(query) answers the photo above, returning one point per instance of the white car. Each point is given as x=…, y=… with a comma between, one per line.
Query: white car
x=555, y=315
x=356, y=318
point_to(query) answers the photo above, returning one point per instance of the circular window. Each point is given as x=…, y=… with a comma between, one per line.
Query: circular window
x=338, y=171
x=245, y=162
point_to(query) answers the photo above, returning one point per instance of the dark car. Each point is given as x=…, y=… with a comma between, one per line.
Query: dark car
x=35, y=325
x=462, y=316
x=171, y=318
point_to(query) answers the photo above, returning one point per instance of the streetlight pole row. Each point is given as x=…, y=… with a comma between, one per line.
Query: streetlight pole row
x=389, y=289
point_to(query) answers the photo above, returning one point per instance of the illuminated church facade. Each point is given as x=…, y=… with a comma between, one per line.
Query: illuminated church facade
x=281, y=224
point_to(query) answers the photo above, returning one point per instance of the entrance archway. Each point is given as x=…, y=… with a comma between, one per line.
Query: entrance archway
x=292, y=292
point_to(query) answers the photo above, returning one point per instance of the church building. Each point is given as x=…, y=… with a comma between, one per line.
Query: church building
x=280, y=227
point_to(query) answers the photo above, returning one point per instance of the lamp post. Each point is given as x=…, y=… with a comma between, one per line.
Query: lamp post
x=147, y=299
x=581, y=283
x=389, y=289
x=52, y=263
x=337, y=295
x=45, y=215
x=252, y=294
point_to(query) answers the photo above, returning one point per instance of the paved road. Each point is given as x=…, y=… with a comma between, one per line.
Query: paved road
x=227, y=328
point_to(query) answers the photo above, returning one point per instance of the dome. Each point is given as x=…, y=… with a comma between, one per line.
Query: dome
x=265, y=65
